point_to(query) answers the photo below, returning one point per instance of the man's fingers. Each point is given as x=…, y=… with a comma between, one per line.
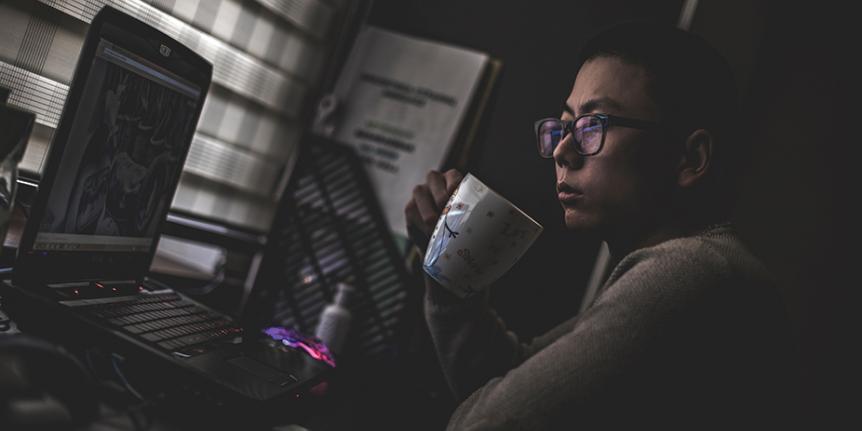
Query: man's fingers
x=415, y=226
x=453, y=178
x=428, y=213
x=411, y=213
x=437, y=185
x=428, y=200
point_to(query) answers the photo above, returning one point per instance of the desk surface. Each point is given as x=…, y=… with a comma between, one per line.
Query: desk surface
x=119, y=407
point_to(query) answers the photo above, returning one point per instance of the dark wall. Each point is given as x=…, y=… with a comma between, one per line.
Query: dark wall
x=537, y=42
x=798, y=192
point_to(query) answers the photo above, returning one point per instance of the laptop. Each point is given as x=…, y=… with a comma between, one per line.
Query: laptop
x=109, y=179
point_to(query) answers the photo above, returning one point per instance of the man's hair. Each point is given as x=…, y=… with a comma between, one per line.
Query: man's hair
x=691, y=83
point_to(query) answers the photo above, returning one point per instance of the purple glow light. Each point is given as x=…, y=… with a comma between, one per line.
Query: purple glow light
x=291, y=338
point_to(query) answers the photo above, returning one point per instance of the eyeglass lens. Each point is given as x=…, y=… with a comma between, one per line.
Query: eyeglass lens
x=587, y=135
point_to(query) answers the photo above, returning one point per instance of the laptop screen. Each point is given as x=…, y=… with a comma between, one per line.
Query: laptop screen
x=119, y=167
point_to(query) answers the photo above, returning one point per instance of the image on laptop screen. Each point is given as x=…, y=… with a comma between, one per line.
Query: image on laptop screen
x=130, y=133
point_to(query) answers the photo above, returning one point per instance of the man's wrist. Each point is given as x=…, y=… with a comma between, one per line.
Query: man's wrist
x=440, y=296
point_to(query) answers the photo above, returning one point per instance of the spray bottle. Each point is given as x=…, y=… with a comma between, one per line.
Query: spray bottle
x=334, y=323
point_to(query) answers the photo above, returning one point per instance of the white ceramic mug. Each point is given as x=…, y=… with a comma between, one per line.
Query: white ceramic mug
x=479, y=236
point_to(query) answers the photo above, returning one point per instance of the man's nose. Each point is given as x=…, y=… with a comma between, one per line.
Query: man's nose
x=565, y=155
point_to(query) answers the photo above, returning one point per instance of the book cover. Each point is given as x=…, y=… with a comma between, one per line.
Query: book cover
x=403, y=102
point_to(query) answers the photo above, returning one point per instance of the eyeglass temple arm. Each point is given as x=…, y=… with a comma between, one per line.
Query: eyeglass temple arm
x=631, y=122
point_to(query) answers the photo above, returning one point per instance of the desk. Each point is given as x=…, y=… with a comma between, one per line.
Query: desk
x=398, y=393
x=37, y=376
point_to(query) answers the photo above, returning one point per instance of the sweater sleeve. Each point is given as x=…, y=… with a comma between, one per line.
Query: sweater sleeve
x=577, y=370
x=472, y=342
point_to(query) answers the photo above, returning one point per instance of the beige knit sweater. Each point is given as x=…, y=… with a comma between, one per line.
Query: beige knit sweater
x=688, y=333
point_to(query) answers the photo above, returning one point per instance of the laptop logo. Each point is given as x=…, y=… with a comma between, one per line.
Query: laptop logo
x=164, y=50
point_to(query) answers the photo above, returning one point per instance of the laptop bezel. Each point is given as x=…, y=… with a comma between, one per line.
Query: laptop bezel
x=143, y=40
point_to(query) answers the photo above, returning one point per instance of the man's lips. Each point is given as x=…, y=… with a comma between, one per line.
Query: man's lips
x=568, y=194
x=568, y=197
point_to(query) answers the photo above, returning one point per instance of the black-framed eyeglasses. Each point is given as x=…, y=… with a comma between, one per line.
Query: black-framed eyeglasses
x=588, y=132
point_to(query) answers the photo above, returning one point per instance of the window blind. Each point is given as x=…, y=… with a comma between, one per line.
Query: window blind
x=267, y=57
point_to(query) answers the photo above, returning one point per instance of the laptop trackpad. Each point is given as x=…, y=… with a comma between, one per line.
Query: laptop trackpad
x=262, y=370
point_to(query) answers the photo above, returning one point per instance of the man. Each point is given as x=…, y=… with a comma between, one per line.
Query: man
x=688, y=330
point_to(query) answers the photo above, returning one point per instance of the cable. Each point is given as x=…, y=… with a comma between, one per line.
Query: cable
x=208, y=286
x=212, y=283
x=123, y=379
x=140, y=419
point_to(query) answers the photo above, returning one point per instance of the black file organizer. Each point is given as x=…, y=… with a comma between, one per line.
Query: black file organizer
x=329, y=228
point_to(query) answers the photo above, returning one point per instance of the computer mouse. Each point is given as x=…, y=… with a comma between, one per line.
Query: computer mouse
x=42, y=385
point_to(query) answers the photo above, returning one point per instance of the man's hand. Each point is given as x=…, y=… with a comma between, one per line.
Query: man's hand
x=427, y=203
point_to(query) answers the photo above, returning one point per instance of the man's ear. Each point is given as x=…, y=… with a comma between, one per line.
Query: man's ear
x=696, y=157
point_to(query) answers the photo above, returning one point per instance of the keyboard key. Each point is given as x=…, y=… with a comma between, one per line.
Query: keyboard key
x=165, y=319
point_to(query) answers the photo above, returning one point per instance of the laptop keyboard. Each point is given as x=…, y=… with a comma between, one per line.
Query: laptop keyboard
x=166, y=320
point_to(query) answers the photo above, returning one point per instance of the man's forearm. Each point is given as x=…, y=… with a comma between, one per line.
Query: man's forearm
x=472, y=343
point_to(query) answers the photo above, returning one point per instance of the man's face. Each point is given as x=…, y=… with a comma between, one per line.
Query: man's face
x=628, y=183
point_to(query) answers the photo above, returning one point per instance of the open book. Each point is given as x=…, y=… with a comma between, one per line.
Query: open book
x=406, y=103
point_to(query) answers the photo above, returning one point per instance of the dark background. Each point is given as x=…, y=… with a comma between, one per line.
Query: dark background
x=792, y=64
